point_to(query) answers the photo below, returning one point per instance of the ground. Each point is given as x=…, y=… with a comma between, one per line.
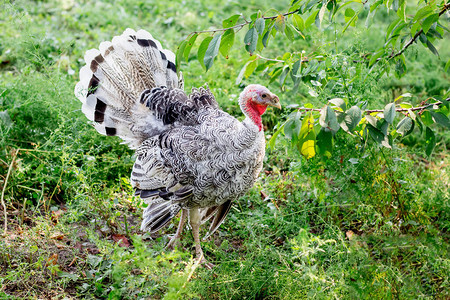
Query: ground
x=364, y=223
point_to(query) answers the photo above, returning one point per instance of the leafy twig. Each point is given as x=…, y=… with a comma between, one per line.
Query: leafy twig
x=408, y=109
x=243, y=24
x=414, y=38
x=409, y=43
x=14, y=155
x=381, y=110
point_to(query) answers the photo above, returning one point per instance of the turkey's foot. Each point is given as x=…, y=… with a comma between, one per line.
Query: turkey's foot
x=173, y=243
x=200, y=259
x=207, y=264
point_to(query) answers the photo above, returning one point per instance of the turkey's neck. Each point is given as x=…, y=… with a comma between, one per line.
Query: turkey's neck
x=253, y=111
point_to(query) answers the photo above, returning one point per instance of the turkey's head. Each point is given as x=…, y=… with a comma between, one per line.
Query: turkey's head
x=254, y=100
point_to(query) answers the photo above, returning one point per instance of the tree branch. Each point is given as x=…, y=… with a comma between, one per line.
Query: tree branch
x=407, y=109
x=308, y=109
x=269, y=59
x=369, y=111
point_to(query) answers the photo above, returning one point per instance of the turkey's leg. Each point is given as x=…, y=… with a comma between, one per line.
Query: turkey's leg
x=194, y=220
x=177, y=235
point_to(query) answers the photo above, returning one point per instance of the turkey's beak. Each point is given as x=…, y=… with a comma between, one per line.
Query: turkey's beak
x=275, y=102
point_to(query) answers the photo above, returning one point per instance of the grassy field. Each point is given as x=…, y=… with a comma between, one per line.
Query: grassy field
x=362, y=224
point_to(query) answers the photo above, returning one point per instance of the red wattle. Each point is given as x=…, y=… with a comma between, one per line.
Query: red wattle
x=261, y=109
x=255, y=111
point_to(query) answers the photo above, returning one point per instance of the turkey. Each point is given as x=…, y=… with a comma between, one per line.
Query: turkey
x=190, y=155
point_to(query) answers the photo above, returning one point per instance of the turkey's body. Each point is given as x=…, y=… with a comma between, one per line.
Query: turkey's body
x=219, y=159
x=190, y=156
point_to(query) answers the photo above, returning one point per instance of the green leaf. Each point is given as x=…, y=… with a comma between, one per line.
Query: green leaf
x=260, y=25
x=212, y=51
x=298, y=22
x=414, y=28
x=383, y=126
x=339, y=103
x=325, y=143
x=283, y=75
x=374, y=6
x=351, y=20
x=401, y=11
x=289, y=33
x=405, y=105
x=379, y=136
x=400, y=67
x=391, y=27
x=275, y=74
x=322, y=13
x=371, y=120
x=369, y=19
x=395, y=4
x=315, y=83
x=328, y=120
x=430, y=20
x=243, y=71
x=280, y=23
x=250, y=40
x=405, y=95
x=311, y=19
x=352, y=118
x=313, y=93
x=419, y=124
x=250, y=68
x=202, y=50
x=266, y=36
x=71, y=276
x=422, y=13
x=307, y=137
x=271, y=142
x=430, y=140
x=375, y=133
x=426, y=118
x=180, y=51
x=440, y=118
x=389, y=113
x=447, y=65
x=292, y=126
x=375, y=56
x=231, y=21
x=405, y=126
x=227, y=42
x=296, y=67
x=432, y=48
x=189, y=45
x=348, y=15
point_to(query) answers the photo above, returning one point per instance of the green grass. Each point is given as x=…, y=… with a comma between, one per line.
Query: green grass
x=362, y=224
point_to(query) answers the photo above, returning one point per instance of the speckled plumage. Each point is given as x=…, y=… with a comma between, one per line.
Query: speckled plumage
x=190, y=155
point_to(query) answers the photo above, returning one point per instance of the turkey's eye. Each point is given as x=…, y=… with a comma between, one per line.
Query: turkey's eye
x=264, y=95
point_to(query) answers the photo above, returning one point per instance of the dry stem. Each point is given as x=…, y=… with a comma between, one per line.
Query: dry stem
x=5, y=215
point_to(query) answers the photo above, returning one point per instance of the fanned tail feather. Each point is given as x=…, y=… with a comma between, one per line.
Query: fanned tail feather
x=113, y=79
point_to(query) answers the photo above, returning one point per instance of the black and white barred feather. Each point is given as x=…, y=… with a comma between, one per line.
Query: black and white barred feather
x=190, y=154
x=115, y=76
